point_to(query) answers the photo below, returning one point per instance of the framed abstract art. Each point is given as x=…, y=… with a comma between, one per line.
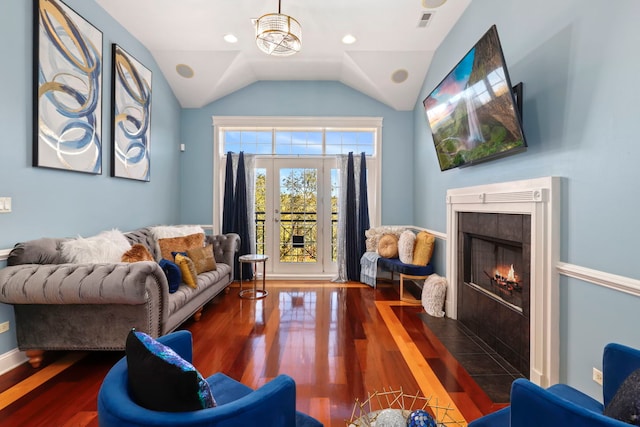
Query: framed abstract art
x=131, y=117
x=67, y=94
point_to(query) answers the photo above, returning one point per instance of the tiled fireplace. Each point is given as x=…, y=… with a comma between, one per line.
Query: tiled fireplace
x=502, y=251
x=494, y=251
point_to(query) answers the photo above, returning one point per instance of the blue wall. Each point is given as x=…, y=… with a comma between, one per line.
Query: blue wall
x=58, y=203
x=578, y=61
x=299, y=98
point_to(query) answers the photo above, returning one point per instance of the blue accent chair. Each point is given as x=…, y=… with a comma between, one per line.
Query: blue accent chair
x=562, y=405
x=273, y=404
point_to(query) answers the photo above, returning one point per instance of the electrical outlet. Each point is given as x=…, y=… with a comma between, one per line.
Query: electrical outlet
x=597, y=376
x=4, y=327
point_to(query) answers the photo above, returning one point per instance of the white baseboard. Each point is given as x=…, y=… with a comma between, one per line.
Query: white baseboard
x=11, y=359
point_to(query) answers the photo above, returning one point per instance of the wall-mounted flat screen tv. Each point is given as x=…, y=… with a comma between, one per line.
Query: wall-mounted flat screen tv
x=473, y=112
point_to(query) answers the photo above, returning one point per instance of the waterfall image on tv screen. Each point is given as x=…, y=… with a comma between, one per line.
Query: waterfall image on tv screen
x=472, y=112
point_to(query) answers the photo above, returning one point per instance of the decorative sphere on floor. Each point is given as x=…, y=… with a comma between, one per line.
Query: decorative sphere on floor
x=421, y=418
x=390, y=418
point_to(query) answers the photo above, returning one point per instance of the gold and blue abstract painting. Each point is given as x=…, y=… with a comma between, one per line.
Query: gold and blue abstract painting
x=68, y=99
x=131, y=123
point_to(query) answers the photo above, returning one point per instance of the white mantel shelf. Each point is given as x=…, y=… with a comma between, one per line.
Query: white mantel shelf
x=540, y=198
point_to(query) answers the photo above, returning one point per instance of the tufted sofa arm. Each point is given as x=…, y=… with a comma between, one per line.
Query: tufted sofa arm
x=120, y=283
x=225, y=247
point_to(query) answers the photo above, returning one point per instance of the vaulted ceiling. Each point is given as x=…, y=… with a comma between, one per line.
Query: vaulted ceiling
x=394, y=39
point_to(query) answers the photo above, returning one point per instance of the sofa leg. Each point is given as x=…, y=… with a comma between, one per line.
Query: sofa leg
x=35, y=357
x=197, y=315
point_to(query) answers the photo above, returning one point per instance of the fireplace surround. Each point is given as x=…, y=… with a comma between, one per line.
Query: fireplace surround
x=494, y=251
x=539, y=199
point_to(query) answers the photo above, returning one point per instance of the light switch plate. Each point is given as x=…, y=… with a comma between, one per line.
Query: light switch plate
x=5, y=204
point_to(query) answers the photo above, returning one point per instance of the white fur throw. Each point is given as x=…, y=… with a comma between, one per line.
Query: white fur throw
x=106, y=247
x=167, y=231
x=433, y=294
x=405, y=246
x=374, y=234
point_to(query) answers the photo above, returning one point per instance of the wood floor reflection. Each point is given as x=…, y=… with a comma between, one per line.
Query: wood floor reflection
x=338, y=341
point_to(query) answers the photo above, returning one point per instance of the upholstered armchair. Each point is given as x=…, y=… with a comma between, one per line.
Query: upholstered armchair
x=562, y=405
x=273, y=404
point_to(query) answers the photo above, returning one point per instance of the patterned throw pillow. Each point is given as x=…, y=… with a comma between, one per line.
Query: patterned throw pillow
x=625, y=405
x=202, y=258
x=160, y=380
x=137, y=253
x=188, y=270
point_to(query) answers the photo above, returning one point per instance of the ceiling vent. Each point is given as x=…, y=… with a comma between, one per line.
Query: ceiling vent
x=425, y=18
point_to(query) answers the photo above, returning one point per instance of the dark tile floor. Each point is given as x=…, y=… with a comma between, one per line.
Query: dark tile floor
x=488, y=369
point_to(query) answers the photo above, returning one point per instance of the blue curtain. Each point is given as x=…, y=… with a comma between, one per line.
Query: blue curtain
x=351, y=223
x=363, y=207
x=241, y=219
x=228, y=207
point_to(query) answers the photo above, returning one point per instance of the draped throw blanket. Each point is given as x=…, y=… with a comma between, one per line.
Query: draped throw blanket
x=369, y=268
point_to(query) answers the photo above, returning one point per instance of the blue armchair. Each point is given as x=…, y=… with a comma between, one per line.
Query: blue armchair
x=562, y=405
x=273, y=404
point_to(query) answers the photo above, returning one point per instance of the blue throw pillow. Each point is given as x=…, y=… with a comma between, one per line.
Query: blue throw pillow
x=160, y=380
x=625, y=405
x=173, y=273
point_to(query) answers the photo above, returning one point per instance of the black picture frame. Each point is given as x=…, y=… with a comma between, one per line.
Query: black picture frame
x=67, y=89
x=131, y=94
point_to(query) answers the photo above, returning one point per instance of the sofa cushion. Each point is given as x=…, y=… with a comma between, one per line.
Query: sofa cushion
x=423, y=249
x=137, y=253
x=180, y=244
x=388, y=246
x=188, y=270
x=106, y=247
x=202, y=258
x=172, y=272
x=625, y=405
x=160, y=380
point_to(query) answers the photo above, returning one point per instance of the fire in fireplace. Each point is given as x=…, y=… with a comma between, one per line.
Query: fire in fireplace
x=491, y=266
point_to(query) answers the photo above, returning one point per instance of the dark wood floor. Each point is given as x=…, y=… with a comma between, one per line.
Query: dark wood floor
x=338, y=341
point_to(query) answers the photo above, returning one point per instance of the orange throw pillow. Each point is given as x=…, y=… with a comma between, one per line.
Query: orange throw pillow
x=180, y=244
x=423, y=249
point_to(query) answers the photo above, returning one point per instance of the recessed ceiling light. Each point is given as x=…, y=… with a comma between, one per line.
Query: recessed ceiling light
x=348, y=39
x=432, y=4
x=230, y=38
x=184, y=70
x=399, y=76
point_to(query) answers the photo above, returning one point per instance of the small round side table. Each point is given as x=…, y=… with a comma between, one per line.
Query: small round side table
x=254, y=260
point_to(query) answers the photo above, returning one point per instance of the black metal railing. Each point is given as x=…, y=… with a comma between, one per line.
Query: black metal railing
x=296, y=224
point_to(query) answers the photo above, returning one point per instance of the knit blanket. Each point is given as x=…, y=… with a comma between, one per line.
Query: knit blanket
x=369, y=268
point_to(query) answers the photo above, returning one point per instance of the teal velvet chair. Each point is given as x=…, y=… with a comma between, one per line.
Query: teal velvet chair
x=562, y=405
x=273, y=404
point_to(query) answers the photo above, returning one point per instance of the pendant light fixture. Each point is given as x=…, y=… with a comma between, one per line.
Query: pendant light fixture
x=278, y=34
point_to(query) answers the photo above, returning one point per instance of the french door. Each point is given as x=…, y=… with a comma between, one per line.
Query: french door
x=296, y=214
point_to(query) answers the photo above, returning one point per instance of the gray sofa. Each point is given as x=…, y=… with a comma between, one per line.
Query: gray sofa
x=64, y=306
